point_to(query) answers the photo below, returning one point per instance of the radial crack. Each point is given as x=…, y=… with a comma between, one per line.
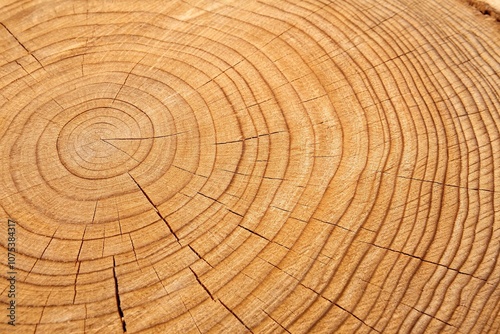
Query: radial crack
x=263, y=237
x=270, y=317
x=19, y=42
x=211, y=198
x=253, y=232
x=440, y=183
x=144, y=138
x=126, y=78
x=355, y=316
x=95, y=210
x=248, y=138
x=81, y=244
x=119, y=149
x=48, y=244
x=203, y=285
x=117, y=295
x=76, y=279
x=235, y=213
x=424, y=260
x=199, y=256
x=192, y=318
x=154, y=206
x=135, y=253
x=236, y=316
x=430, y=315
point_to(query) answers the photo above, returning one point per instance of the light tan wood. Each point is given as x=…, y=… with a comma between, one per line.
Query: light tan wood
x=250, y=166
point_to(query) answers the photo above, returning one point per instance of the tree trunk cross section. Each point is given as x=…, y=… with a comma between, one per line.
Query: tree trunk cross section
x=272, y=166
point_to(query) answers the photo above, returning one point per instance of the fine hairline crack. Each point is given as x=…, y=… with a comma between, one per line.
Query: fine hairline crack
x=146, y=138
x=119, y=149
x=426, y=261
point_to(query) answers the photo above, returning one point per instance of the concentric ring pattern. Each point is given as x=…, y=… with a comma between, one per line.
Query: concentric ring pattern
x=251, y=166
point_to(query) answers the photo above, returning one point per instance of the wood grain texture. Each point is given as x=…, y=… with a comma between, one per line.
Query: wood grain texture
x=200, y=166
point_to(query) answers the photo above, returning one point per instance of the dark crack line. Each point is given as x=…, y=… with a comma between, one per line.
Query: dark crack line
x=192, y=249
x=52, y=238
x=160, y=280
x=29, y=272
x=233, y=172
x=253, y=232
x=95, y=210
x=213, y=199
x=236, y=316
x=154, y=206
x=19, y=42
x=81, y=244
x=281, y=209
x=429, y=315
x=28, y=73
x=202, y=285
x=143, y=192
x=235, y=213
x=199, y=256
x=293, y=277
x=274, y=178
x=117, y=295
x=76, y=279
x=256, y=104
x=334, y=224
x=135, y=253
x=221, y=73
x=217, y=201
x=286, y=330
x=126, y=78
x=263, y=237
x=355, y=316
x=424, y=260
x=190, y=172
x=119, y=221
x=58, y=105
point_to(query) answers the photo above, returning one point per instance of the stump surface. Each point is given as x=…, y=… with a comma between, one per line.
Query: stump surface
x=249, y=166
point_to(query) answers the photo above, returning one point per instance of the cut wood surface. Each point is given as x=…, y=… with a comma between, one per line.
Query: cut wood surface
x=269, y=166
x=489, y=7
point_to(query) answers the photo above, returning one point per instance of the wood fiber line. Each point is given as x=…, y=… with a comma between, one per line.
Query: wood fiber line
x=262, y=166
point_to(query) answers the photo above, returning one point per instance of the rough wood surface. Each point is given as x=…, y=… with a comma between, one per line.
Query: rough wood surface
x=250, y=166
x=489, y=7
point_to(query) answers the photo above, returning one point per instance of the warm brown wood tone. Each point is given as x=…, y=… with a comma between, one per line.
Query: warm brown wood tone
x=270, y=166
x=488, y=7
